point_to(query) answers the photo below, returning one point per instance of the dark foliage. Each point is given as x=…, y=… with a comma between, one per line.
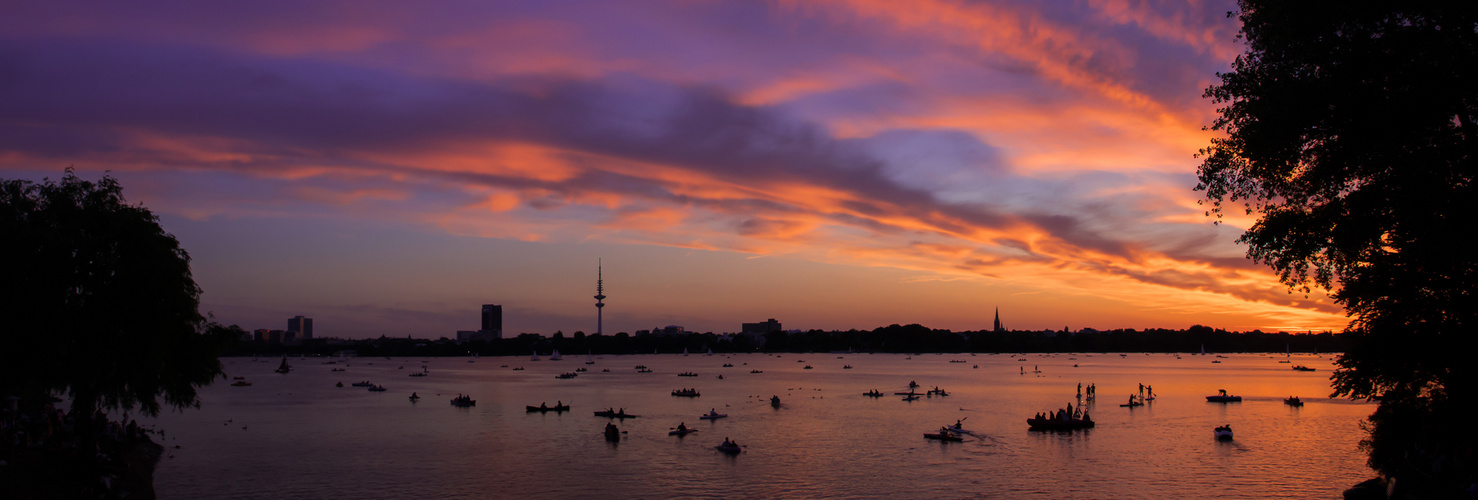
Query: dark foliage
x=1352, y=130
x=98, y=301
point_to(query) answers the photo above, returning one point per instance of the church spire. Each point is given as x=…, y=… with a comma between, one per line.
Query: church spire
x=999, y=328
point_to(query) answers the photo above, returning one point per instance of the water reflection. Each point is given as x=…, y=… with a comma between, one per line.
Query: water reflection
x=826, y=439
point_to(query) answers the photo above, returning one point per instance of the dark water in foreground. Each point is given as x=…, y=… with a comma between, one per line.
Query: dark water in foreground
x=298, y=436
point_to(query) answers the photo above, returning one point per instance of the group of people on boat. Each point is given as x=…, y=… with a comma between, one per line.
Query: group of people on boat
x=616, y=412
x=557, y=404
x=1065, y=414
x=728, y=443
x=462, y=399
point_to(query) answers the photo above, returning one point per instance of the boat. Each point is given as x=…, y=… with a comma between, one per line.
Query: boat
x=378, y=388
x=589, y=358
x=687, y=374
x=775, y=401
x=913, y=385
x=567, y=375
x=957, y=429
x=728, y=365
x=1223, y=433
x=238, y=377
x=729, y=448
x=240, y=383
x=1293, y=401
x=518, y=369
x=846, y=367
x=340, y=384
x=1052, y=424
x=612, y=433
x=682, y=431
x=756, y=371
x=686, y=393
x=535, y=357
x=1223, y=397
x=1302, y=368
x=873, y=393
x=365, y=383
x=909, y=393
x=644, y=370
x=414, y=397
x=283, y=368
x=944, y=436
x=557, y=408
x=554, y=356
x=614, y=414
x=1132, y=404
x=581, y=370
x=911, y=397
x=463, y=401
x=336, y=369
x=713, y=415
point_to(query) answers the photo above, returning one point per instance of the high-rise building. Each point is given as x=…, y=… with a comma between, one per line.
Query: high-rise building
x=303, y=326
x=765, y=327
x=492, y=319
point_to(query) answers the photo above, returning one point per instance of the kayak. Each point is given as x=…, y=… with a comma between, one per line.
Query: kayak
x=944, y=437
x=958, y=430
x=682, y=432
x=714, y=416
x=542, y=409
x=609, y=414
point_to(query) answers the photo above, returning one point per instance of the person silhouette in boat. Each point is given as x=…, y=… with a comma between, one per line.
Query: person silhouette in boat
x=959, y=423
x=622, y=412
x=544, y=405
x=559, y=403
x=682, y=427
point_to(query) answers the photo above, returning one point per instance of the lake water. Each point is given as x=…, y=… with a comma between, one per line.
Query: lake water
x=299, y=436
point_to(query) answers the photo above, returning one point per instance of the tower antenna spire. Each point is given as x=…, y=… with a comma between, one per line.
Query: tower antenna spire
x=600, y=297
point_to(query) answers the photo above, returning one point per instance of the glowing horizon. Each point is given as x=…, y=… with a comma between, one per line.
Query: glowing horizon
x=387, y=168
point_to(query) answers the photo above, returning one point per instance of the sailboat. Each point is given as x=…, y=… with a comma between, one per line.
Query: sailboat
x=283, y=368
x=589, y=358
x=1203, y=349
x=554, y=356
x=535, y=357
x=685, y=351
x=710, y=351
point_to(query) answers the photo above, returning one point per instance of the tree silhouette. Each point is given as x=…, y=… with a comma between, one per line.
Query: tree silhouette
x=1352, y=131
x=98, y=301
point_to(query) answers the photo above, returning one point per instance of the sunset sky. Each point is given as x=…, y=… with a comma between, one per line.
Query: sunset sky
x=385, y=168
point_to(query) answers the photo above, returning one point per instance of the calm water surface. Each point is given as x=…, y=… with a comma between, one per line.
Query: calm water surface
x=298, y=436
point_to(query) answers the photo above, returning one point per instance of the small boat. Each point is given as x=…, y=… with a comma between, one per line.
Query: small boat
x=1133, y=404
x=336, y=369
x=686, y=393
x=1053, y=424
x=612, y=433
x=557, y=408
x=729, y=448
x=340, y=384
x=944, y=436
x=1293, y=401
x=713, y=415
x=873, y=393
x=910, y=397
x=680, y=432
x=283, y=368
x=913, y=385
x=240, y=383
x=567, y=375
x=728, y=365
x=1223, y=397
x=589, y=358
x=644, y=370
x=554, y=356
x=463, y=401
x=365, y=383
x=414, y=397
x=756, y=371
x=614, y=414
x=1302, y=368
x=846, y=367
x=775, y=401
x=687, y=374
x=378, y=388
x=238, y=377
x=1223, y=433
x=418, y=374
x=581, y=370
x=909, y=393
x=957, y=429
x=535, y=357
x=518, y=369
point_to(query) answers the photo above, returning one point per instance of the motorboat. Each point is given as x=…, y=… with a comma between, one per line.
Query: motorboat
x=1223, y=433
x=1223, y=397
x=1053, y=424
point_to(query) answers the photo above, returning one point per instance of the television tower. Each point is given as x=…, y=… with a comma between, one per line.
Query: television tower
x=600, y=296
